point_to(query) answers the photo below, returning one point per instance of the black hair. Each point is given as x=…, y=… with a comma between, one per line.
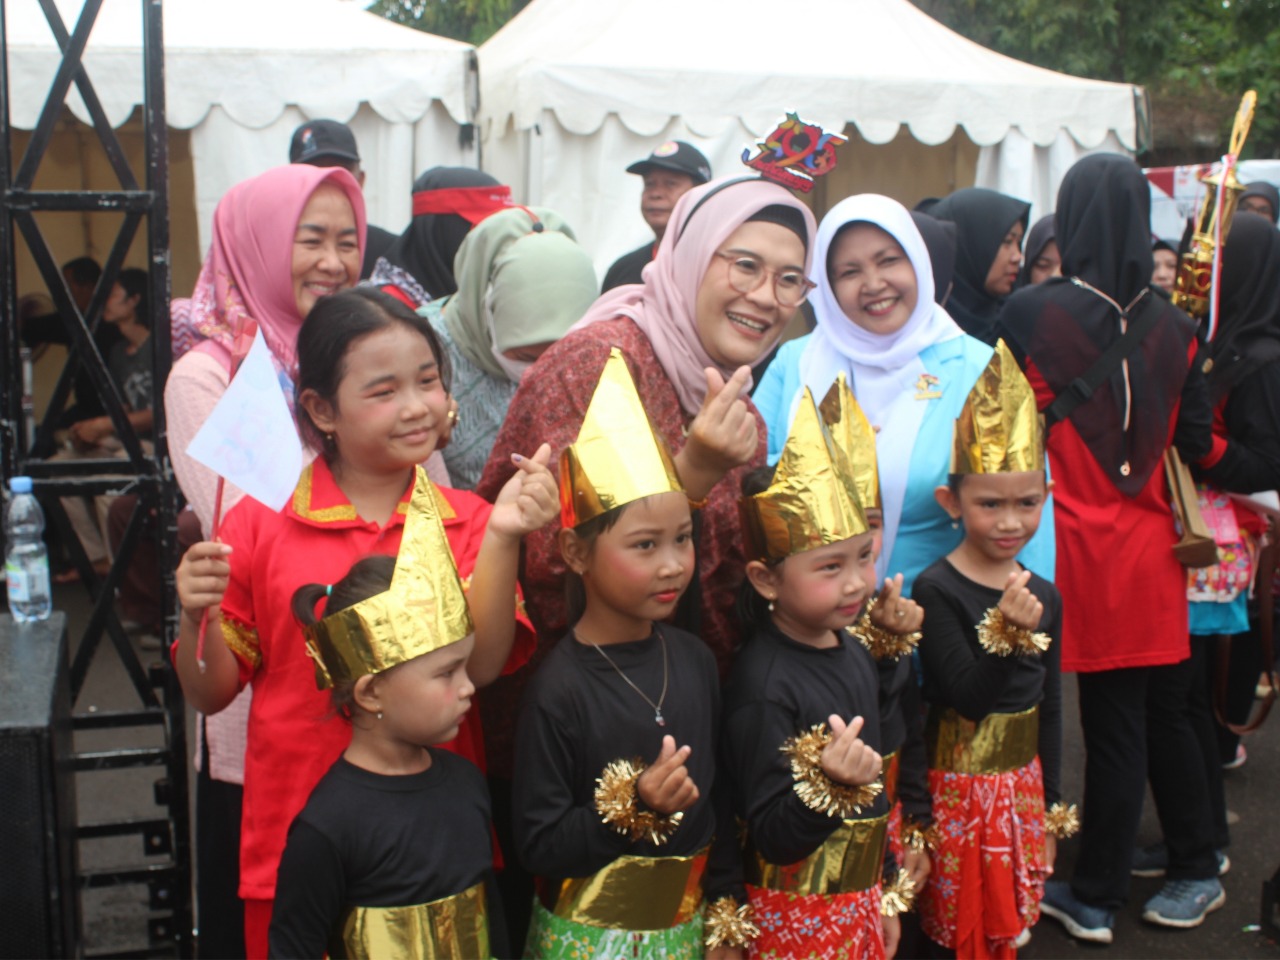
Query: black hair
x=783, y=216
x=332, y=326
x=752, y=609
x=575, y=591
x=84, y=271
x=366, y=578
x=134, y=282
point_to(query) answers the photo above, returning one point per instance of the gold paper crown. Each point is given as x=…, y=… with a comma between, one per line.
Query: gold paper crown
x=424, y=609
x=852, y=433
x=812, y=501
x=999, y=429
x=618, y=457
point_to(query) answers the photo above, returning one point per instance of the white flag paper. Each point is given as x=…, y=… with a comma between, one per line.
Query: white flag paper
x=250, y=439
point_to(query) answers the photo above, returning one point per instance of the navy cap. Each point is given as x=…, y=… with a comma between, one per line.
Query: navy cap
x=323, y=140
x=678, y=156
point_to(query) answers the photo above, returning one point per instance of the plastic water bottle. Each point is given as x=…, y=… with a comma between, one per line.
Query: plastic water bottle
x=26, y=561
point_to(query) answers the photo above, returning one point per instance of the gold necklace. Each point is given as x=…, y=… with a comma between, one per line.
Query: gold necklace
x=657, y=707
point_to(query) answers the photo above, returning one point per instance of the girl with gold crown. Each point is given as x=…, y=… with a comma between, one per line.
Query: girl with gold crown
x=372, y=395
x=615, y=748
x=391, y=857
x=990, y=661
x=805, y=771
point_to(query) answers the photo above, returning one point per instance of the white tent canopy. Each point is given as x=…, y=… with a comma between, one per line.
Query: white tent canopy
x=241, y=74
x=574, y=90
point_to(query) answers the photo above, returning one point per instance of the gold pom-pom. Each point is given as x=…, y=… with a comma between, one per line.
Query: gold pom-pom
x=899, y=896
x=617, y=804
x=727, y=924
x=818, y=791
x=881, y=643
x=918, y=838
x=1000, y=637
x=1062, y=820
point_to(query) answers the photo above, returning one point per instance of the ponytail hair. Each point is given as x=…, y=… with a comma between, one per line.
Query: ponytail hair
x=366, y=578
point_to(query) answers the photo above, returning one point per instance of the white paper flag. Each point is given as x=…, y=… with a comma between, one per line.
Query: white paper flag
x=250, y=438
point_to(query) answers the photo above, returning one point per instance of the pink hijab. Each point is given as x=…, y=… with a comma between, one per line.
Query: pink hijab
x=664, y=305
x=247, y=277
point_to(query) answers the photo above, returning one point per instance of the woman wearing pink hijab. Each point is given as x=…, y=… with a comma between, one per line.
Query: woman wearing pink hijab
x=281, y=240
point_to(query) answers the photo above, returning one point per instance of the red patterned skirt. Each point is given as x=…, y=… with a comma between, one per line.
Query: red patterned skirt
x=988, y=871
x=839, y=926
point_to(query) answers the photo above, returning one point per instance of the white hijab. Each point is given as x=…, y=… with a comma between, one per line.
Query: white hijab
x=884, y=369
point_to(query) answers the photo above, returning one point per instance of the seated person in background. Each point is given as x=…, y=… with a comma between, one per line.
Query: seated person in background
x=669, y=172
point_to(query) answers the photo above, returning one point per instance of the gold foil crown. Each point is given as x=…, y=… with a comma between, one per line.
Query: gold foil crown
x=618, y=458
x=853, y=435
x=424, y=609
x=813, y=500
x=999, y=430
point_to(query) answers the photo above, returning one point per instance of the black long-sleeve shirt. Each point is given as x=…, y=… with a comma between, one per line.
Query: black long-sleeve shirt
x=779, y=688
x=959, y=674
x=1251, y=415
x=902, y=730
x=579, y=715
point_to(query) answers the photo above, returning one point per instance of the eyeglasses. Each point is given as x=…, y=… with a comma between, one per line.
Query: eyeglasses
x=748, y=273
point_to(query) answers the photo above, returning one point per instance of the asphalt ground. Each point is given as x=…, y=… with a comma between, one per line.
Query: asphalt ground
x=116, y=917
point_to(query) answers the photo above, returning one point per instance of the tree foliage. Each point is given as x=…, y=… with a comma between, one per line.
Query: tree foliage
x=1195, y=57
x=472, y=21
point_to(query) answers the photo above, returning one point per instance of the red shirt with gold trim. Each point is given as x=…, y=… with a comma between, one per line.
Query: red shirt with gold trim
x=294, y=735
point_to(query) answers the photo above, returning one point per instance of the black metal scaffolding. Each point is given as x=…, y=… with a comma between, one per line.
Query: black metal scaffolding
x=164, y=866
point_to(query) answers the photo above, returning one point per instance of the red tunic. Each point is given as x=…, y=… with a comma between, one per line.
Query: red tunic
x=294, y=736
x=1124, y=593
x=549, y=407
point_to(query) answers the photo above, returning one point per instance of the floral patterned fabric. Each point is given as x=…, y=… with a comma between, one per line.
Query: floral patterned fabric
x=988, y=873
x=554, y=938
x=842, y=926
x=895, y=832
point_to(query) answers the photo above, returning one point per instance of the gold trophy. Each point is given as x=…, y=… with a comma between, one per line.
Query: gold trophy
x=1191, y=291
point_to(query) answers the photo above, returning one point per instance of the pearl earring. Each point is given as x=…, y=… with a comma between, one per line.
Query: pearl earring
x=770, y=606
x=379, y=714
x=955, y=524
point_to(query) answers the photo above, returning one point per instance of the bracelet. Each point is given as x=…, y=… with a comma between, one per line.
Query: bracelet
x=617, y=802
x=727, y=924
x=898, y=896
x=818, y=791
x=881, y=643
x=918, y=838
x=1062, y=820
x=1000, y=637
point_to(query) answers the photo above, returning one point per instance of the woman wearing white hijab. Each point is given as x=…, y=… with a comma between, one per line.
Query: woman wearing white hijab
x=910, y=366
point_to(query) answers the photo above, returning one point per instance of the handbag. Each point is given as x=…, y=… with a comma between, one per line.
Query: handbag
x=1197, y=547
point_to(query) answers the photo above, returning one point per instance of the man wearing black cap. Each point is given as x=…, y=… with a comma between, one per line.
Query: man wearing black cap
x=328, y=143
x=670, y=171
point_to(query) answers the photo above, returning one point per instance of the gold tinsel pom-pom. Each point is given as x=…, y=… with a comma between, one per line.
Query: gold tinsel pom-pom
x=1000, y=637
x=899, y=896
x=727, y=924
x=617, y=803
x=818, y=791
x=882, y=644
x=1062, y=820
x=919, y=838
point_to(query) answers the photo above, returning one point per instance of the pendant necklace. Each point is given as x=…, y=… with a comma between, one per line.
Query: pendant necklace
x=657, y=707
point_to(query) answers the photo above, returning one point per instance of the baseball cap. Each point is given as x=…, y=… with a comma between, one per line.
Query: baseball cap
x=323, y=139
x=678, y=156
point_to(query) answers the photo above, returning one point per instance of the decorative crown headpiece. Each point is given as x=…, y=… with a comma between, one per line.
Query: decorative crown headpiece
x=812, y=501
x=852, y=433
x=424, y=609
x=795, y=154
x=618, y=457
x=999, y=429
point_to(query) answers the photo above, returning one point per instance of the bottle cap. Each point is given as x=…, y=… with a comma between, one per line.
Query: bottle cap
x=20, y=484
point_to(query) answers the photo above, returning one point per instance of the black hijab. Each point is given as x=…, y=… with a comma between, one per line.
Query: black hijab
x=940, y=240
x=1248, y=334
x=983, y=218
x=1041, y=235
x=428, y=245
x=1268, y=192
x=1062, y=328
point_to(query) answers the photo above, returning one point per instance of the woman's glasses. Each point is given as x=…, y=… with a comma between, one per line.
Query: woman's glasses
x=748, y=273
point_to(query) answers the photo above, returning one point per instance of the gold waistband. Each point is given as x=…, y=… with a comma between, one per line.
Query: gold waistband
x=998, y=743
x=851, y=859
x=632, y=893
x=454, y=928
x=892, y=765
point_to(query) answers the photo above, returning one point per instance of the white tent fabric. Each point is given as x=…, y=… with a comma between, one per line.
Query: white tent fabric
x=572, y=83
x=241, y=74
